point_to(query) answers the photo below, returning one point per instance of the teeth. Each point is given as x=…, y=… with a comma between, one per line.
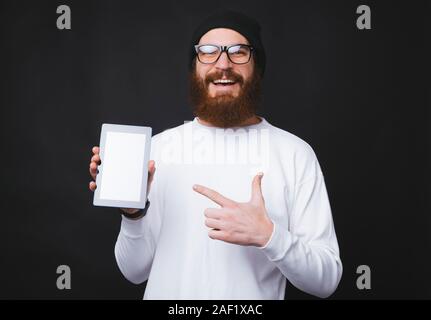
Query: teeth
x=223, y=81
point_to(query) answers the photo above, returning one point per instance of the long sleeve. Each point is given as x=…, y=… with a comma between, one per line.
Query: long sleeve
x=307, y=253
x=137, y=240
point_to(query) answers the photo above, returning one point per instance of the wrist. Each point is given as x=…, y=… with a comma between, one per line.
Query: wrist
x=135, y=214
x=128, y=211
x=266, y=233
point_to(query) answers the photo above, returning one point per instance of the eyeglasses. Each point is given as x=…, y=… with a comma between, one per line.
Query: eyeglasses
x=237, y=53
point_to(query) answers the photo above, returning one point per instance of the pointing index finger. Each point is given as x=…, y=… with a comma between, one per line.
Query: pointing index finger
x=214, y=196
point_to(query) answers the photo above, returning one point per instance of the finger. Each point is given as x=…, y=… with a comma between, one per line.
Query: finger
x=92, y=185
x=93, y=170
x=96, y=158
x=151, y=170
x=95, y=150
x=217, y=234
x=214, y=224
x=151, y=165
x=213, y=213
x=256, y=189
x=214, y=196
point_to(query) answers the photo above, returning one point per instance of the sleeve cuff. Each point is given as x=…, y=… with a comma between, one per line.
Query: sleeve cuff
x=133, y=228
x=278, y=244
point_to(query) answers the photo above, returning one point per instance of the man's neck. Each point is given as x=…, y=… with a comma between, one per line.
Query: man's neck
x=250, y=121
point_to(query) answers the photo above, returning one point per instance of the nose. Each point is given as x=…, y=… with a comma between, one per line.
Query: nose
x=223, y=62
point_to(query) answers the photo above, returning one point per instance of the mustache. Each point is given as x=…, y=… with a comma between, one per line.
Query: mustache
x=229, y=74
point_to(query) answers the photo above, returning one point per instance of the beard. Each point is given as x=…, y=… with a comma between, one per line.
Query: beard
x=225, y=110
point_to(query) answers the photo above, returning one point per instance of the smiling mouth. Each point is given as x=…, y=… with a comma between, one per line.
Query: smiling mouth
x=223, y=82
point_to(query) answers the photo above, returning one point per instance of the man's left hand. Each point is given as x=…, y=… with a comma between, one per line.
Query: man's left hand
x=243, y=223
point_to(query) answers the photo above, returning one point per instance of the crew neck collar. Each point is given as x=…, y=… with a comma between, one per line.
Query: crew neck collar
x=262, y=123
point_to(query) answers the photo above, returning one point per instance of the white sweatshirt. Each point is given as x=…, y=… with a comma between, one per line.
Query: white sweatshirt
x=171, y=248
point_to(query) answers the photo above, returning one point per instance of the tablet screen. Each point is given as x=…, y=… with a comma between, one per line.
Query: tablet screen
x=122, y=166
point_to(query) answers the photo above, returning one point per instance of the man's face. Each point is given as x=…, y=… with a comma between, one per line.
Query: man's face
x=225, y=104
x=224, y=68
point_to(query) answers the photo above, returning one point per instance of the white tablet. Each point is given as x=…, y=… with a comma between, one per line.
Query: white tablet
x=123, y=172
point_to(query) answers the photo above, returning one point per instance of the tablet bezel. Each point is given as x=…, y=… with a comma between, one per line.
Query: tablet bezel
x=107, y=127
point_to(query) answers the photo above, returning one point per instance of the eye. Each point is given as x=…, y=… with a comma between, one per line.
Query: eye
x=238, y=50
x=207, y=49
x=234, y=49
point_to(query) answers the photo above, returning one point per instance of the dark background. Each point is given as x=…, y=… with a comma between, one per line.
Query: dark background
x=359, y=98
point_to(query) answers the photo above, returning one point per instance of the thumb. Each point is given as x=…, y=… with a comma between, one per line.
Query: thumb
x=256, y=189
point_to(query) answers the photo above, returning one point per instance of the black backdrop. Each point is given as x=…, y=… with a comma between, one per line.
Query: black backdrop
x=358, y=97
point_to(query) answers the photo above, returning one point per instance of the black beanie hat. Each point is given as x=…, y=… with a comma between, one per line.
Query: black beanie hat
x=239, y=22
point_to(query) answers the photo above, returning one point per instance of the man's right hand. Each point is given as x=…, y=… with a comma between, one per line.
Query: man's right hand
x=94, y=164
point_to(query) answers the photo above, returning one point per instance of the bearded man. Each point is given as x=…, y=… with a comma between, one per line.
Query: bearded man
x=237, y=206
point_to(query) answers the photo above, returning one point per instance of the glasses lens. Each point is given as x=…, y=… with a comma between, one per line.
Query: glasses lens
x=208, y=53
x=239, y=54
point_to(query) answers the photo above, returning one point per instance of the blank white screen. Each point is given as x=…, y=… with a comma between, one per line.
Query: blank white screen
x=122, y=165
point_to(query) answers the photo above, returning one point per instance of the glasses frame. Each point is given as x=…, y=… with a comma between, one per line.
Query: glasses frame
x=224, y=49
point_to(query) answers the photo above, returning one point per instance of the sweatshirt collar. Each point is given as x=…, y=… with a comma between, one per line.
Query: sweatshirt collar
x=261, y=124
